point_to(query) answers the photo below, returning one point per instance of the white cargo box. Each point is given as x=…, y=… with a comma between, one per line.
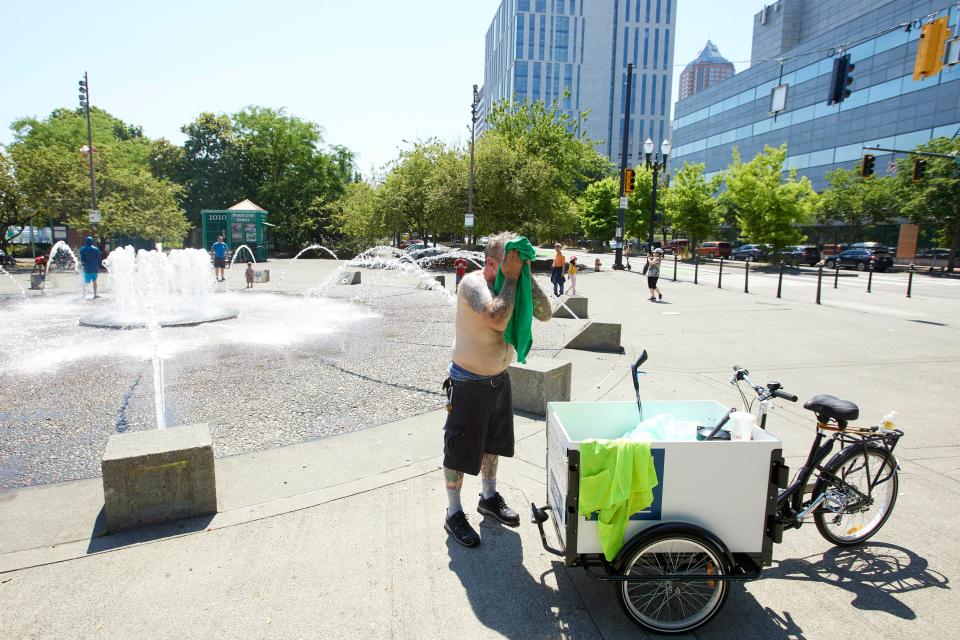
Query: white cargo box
x=722, y=486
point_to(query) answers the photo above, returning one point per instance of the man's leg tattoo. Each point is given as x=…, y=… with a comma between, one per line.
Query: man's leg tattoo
x=488, y=473
x=454, y=480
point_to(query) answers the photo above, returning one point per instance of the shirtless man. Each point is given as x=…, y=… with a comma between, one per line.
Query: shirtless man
x=479, y=425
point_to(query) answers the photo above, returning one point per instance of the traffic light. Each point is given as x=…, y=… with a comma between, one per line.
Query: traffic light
x=866, y=169
x=629, y=180
x=919, y=168
x=84, y=95
x=933, y=42
x=840, y=80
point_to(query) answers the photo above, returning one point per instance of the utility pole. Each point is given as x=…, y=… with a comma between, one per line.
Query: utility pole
x=85, y=104
x=622, y=210
x=474, y=107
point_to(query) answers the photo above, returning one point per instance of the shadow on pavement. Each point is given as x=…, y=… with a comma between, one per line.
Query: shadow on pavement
x=507, y=599
x=874, y=573
x=102, y=540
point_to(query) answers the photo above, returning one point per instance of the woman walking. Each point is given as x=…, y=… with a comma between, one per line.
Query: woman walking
x=572, y=272
x=653, y=273
x=556, y=273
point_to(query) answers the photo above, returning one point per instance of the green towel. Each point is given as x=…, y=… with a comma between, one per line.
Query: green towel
x=617, y=478
x=519, y=331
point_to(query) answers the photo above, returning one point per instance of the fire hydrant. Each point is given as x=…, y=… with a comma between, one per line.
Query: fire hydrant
x=596, y=264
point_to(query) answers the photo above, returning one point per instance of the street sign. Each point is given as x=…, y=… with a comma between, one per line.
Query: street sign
x=891, y=167
x=59, y=233
x=624, y=202
x=616, y=245
x=94, y=216
x=468, y=220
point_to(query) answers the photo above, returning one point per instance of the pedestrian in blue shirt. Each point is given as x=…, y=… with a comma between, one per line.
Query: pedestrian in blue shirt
x=219, y=251
x=90, y=259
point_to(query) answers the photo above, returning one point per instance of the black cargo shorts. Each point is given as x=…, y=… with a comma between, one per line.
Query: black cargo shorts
x=480, y=421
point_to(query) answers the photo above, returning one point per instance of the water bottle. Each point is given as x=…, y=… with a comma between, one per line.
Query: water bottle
x=887, y=422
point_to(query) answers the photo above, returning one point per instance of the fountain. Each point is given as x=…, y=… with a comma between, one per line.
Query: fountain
x=23, y=293
x=171, y=289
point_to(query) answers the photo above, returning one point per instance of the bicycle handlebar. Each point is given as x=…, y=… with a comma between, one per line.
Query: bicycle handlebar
x=784, y=395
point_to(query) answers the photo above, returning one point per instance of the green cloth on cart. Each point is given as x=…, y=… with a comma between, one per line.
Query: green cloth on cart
x=617, y=478
x=519, y=331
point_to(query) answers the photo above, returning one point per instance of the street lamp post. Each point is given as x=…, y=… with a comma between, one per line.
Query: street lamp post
x=474, y=108
x=623, y=200
x=85, y=104
x=657, y=165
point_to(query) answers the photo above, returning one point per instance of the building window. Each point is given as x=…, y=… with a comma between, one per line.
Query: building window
x=643, y=93
x=520, y=80
x=653, y=97
x=648, y=10
x=658, y=11
x=560, y=6
x=541, y=6
x=626, y=44
x=519, y=51
x=567, y=85
x=656, y=46
x=530, y=35
x=536, y=80
x=646, y=46
x=663, y=97
x=543, y=34
x=561, y=38
x=666, y=47
x=666, y=18
x=523, y=5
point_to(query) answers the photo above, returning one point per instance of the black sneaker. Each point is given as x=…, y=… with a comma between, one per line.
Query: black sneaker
x=497, y=507
x=458, y=527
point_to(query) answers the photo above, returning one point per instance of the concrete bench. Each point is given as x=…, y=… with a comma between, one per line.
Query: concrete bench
x=539, y=381
x=575, y=304
x=158, y=476
x=350, y=277
x=597, y=336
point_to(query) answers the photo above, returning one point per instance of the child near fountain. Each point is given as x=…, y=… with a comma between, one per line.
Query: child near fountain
x=249, y=274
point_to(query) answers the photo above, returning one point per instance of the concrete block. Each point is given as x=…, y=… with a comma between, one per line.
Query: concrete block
x=427, y=283
x=350, y=277
x=442, y=280
x=597, y=336
x=575, y=304
x=261, y=276
x=36, y=280
x=158, y=476
x=539, y=381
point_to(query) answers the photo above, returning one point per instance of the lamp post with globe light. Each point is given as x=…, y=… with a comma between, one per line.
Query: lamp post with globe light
x=657, y=164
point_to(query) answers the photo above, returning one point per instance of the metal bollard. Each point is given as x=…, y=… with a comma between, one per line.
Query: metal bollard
x=870, y=279
x=696, y=268
x=746, y=277
x=674, y=265
x=720, y=275
x=836, y=273
x=780, y=280
x=910, y=281
x=819, y=281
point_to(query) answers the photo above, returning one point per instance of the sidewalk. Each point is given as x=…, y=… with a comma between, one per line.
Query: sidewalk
x=343, y=537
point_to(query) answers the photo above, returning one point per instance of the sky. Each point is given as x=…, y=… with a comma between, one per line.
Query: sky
x=373, y=74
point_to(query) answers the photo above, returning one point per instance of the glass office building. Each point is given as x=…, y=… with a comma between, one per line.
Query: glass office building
x=576, y=52
x=886, y=108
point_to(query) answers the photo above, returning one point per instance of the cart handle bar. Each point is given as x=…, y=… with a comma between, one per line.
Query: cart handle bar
x=681, y=577
x=539, y=516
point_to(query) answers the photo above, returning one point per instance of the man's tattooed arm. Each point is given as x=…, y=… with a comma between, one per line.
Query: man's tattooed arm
x=542, y=310
x=496, y=309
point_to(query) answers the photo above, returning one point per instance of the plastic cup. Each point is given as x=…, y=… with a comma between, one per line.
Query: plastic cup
x=741, y=425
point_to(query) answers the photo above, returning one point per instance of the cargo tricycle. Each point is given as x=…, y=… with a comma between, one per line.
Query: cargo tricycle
x=720, y=504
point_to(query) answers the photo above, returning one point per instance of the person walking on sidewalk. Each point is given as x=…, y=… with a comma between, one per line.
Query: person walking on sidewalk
x=572, y=273
x=653, y=273
x=479, y=427
x=556, y=273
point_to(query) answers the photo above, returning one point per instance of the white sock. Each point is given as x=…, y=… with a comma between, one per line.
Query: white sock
x=489, y=488
x=453, y=502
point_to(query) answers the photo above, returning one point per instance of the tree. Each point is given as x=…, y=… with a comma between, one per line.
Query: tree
x=598, y=209
x=357, y=217
x=690, y=203
x=855, y=201
x=935, y=199
x=214, y=165
x=767, y=207
x=12, y=211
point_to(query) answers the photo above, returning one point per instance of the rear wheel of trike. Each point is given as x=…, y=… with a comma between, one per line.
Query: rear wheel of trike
x=674, y=606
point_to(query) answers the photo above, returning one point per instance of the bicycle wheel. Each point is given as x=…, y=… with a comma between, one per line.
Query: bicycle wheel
x=674, y=606
x=847, y=517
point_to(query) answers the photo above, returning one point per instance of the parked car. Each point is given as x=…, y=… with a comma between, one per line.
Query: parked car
x=861, y=260
x=833, y=249
x=715, y=249
x=938, y=256
x=873, y=246
x=677, y=246
x=750, y=252
x=801, y=254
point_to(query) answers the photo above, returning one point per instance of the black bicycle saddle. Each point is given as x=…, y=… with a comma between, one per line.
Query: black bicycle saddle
x=827, y=407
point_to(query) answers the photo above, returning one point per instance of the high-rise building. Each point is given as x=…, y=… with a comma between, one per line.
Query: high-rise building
x=575, y=52
x=886, y=107
x=706, y=70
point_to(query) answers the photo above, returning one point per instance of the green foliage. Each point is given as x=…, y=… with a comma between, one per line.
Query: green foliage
x=767, y=207
x=357, y=217
x=690, y=204
x=598, y=209
x=935, y=200
x=12, y=211
x=856, y=201
x=52, y=174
